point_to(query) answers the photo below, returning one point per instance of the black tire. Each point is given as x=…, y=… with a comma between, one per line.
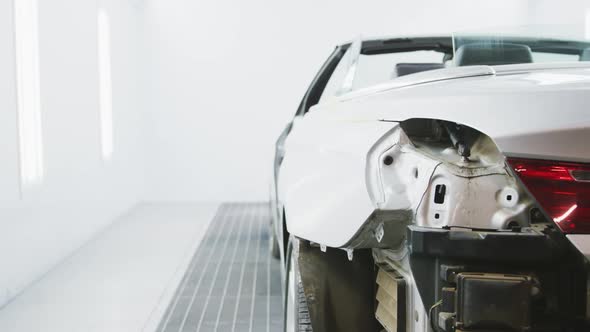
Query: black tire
x=302, y=320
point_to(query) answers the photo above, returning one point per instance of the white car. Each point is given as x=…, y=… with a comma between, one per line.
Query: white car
x=438, y=184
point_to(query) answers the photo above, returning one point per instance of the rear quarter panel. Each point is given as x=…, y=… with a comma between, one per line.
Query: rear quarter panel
x=322, y=182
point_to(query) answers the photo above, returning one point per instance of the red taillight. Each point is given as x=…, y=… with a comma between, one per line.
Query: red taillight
x=562, y=189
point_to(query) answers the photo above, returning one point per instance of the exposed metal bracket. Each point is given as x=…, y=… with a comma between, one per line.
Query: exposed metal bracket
x=379, y=233
x=350, y=254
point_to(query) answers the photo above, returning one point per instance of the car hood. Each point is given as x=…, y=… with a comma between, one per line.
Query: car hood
x=534, y=110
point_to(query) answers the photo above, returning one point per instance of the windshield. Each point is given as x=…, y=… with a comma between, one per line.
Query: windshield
x=373, y=69
x=370, y=62
x=528, y=44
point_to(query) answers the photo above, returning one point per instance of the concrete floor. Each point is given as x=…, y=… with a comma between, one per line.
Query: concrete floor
x=129, y=275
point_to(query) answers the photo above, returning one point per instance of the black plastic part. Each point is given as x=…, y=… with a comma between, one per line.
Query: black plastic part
x=439, y=193
x=527, y=246
x=493, y=301
x=449, y=272
x=401, y=304
x=438, y=256
x=448, y=299
x=432, y=250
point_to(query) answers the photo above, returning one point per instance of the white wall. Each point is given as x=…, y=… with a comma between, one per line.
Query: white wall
x=9, y=173
x=225, y=76
x=80, y=194
x=568, y=12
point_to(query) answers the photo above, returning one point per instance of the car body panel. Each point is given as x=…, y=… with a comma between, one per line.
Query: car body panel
x=581, y=242
x=513, y=107
x=526, y=110
x=326, y=165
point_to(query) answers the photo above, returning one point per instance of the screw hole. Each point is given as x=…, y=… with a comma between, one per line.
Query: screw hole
x=436, y=216
x=415, y=173
x=509, y=198
x=388, y=160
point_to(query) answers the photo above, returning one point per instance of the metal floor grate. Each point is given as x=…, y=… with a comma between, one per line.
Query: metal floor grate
x=232, y=282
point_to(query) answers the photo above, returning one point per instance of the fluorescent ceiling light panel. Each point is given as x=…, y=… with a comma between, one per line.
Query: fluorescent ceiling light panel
x=28, y=94
x=105, y=84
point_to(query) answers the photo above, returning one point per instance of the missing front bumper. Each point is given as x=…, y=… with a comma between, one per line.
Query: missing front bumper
x=473, y=280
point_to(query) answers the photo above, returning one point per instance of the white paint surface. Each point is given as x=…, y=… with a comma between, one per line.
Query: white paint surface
x=582, y=243
x=122, y=280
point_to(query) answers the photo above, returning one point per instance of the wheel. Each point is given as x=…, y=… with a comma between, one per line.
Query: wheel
x=296, y=311
x=273, y=242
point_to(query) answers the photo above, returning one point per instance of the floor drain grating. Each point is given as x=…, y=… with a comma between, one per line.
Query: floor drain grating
x=232, y=283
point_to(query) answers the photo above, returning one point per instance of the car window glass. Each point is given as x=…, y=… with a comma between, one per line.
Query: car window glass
x=338, y=76
x=374, y=69
x=554, y=57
